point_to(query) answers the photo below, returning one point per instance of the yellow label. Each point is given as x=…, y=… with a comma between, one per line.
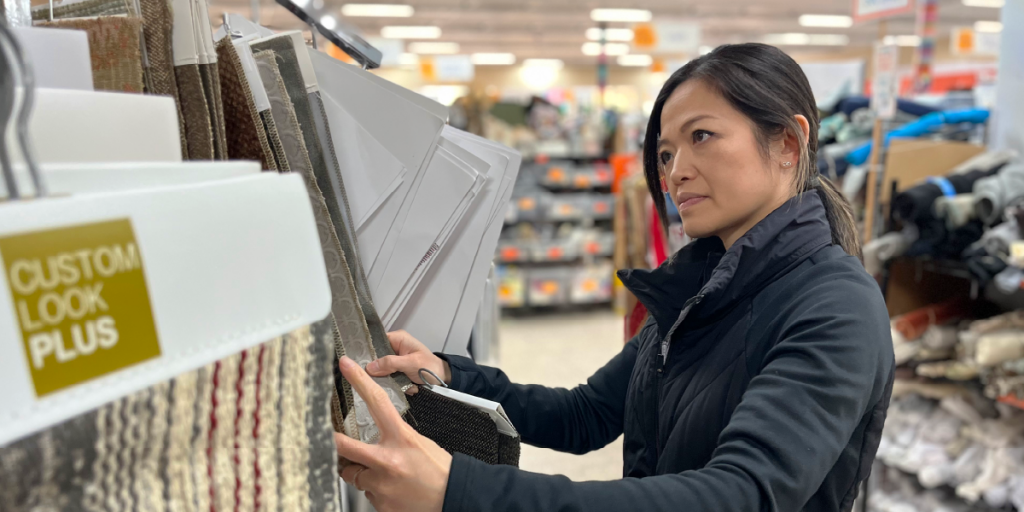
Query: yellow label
x=81, y=301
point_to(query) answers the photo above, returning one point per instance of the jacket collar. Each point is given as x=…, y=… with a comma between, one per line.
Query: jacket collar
x=779, y=242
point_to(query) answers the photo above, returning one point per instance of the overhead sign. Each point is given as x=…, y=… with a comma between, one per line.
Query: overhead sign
x=667, y=37
x=966, y=41
x=453, y=68
x=864, y=10
x=884, y=86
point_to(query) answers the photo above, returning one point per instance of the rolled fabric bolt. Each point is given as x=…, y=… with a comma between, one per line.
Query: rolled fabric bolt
x=994, y=193
x=958, y=210
x=999, y=347
x=939, y=337
x=887, y=247
x=913, y=324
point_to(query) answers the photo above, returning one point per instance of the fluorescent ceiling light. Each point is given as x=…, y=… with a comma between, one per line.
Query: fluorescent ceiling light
x=985, y=3
x=329, y=22
x=905, y=40
x=610, y=34
x=825, y=20
x=635, y=60
x=543, y=63
x=434, y=48
x=493, y=59
x=621, y=15
x=991, y=27
x=799, y=39
x=395, y=32
x=612, y=49
x=377, y=10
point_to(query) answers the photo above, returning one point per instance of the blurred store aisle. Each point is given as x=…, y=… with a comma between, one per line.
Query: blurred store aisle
x=563, y=351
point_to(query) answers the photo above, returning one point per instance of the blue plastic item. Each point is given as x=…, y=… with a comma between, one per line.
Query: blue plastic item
x=926, y=124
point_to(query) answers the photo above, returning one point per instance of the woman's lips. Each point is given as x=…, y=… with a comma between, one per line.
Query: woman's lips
x=690, y=203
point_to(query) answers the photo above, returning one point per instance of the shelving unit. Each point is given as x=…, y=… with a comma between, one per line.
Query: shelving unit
x=555, y=250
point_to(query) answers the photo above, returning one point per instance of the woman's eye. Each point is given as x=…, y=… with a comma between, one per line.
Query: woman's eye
x=665, y=157
x=701, y=136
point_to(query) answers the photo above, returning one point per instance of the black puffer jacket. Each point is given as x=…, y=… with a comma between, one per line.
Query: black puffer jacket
x=760, y=384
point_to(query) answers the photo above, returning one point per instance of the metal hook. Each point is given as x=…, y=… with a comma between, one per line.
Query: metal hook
x=16, y=59
x=434, y=375
x=233, y=34
x=312, y=34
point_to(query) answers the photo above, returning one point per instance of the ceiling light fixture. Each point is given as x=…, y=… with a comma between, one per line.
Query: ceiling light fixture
x=996, y=4
x=398, y=32
x=377, y=10
x=622, y=15
x=635, y=60
x=543, y=63
x=800, y=39
x=329, y=22
x=610, y=34
x=825, y=20
x=991, y=27
x=904, y=40
x=612, y=49
x=434, y=48
x=493, y=59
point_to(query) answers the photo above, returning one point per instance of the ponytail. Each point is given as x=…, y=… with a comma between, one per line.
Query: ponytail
x=840, y=217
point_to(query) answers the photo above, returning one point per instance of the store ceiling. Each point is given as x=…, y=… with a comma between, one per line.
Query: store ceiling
x=556, y=28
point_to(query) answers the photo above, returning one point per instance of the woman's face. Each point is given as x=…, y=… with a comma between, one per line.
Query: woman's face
x=714, y=168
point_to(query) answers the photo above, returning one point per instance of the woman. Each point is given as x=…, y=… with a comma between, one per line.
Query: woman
x=762, y=379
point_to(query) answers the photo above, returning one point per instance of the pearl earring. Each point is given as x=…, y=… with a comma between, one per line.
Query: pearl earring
x=787, y=164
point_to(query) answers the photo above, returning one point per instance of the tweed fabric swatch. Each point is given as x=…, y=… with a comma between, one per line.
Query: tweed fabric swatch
x=196, y=112
x=250, y=432
x=354, y=335
x=316, y=131
x=160, y=79
x=85, y=9
x=274, y=139
x=457, y=427
x=210, y=75
x=246, y=139
x=114, y=47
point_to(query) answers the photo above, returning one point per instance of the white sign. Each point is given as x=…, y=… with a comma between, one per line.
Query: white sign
x=668, y=37
x=453, y=68
x=874, y=9
x=885, y=84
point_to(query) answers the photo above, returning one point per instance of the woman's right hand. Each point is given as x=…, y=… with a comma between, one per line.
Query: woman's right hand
x=412, y=355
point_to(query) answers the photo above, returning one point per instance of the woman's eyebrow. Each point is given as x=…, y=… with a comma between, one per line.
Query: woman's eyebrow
x=694, y=119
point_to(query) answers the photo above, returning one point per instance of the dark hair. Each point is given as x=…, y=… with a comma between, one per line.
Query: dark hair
x=770, y=88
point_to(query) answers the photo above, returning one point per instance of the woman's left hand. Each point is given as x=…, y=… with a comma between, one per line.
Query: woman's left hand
x=404, y=470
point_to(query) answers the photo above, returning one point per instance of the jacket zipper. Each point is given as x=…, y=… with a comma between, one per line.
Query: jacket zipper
x=661, y=369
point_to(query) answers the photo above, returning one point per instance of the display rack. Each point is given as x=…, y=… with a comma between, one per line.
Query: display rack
x=556, y=247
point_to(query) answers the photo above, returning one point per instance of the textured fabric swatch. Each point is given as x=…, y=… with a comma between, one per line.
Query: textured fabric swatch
x=250, y=432
x=156, y=31
x=85, y=9
x=457, y=427
x=274, y=138
x=114, y=48
x=354, y=335
x=211, y=89
x=195, y=111
x=246, y=139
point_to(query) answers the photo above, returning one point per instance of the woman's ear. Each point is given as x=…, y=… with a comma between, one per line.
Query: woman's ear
x=793, y=143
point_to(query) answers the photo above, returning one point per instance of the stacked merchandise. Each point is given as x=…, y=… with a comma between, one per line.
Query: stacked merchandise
x=556, y=247
x=224, y=391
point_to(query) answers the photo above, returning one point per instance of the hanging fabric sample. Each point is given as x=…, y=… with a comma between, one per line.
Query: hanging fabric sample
x=157, y=28
x=84, y=9
x=245, y=136
x=249, y=432
x=354, y=335
x=114, y=46
x=195, y=108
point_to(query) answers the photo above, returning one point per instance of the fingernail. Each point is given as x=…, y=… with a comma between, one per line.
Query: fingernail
x=346, y=362
x=372, y=367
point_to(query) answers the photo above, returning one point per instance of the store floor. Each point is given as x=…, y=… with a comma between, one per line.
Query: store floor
x=563, y=351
